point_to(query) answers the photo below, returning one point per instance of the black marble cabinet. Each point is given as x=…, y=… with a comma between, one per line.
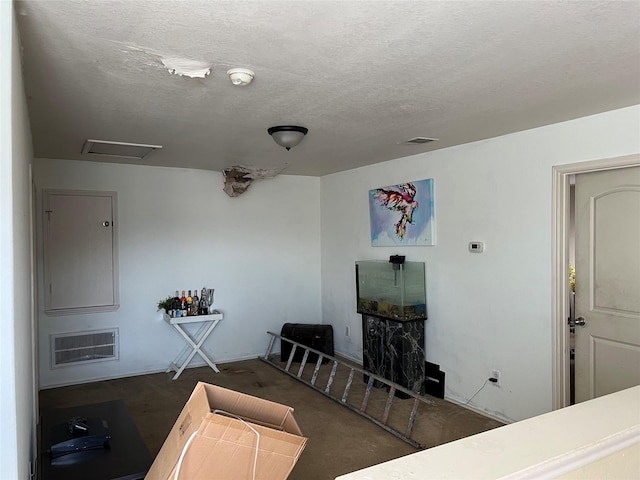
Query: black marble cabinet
x=394, y=350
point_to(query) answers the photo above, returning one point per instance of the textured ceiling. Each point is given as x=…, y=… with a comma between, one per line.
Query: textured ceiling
x=363, y=76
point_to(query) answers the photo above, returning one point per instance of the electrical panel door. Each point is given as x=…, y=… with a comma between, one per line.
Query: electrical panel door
x=81, y=255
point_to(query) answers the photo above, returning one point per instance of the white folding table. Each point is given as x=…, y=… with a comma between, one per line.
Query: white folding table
x=194, y=343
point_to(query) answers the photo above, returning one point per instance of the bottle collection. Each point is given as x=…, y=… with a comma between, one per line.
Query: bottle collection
x=189, y=304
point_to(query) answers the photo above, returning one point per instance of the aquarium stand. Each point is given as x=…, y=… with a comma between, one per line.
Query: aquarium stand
x=395, y=350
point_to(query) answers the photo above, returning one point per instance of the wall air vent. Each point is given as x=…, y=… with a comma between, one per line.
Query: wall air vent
x=136, y=151
x=84, y=347
x=418, y=141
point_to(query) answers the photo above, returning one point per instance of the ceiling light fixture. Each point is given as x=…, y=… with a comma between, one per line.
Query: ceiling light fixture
x=241, y=77
x=287, y=136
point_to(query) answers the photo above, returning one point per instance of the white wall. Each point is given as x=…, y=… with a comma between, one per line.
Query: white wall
x=179, y=230
x=490, y=310
x=17, y=399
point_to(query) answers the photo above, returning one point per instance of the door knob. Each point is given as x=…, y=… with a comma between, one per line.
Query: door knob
x=105, y=224
x=580, y=321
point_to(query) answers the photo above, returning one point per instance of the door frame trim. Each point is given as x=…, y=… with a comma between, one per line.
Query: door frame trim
x=560, y=264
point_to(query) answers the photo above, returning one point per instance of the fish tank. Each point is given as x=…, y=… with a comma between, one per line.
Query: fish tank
x=392, y=289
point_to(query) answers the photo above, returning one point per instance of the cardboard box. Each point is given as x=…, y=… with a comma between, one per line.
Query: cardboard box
x=220, y=428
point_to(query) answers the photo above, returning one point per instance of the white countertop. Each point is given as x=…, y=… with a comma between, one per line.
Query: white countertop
x=545, y=446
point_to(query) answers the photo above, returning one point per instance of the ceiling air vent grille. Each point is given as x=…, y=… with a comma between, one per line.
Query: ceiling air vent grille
x=84, y=347
x=136, y=151
x=418, y=141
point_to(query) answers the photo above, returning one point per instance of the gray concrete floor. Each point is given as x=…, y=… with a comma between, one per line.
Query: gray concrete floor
x=340, y=440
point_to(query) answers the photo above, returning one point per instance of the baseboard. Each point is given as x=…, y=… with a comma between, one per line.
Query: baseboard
x=100, y=379
x=484, y=413
x=448, y=398
x=349, y=358
x=357, y=361
x=193, y=364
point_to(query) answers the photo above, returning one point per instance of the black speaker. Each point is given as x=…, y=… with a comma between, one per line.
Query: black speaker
x=318, y=337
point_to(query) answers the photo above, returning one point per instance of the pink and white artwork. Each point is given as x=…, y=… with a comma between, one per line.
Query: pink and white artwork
x=402, y=214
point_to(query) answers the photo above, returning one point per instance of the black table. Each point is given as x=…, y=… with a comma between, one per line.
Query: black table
x=126, y=458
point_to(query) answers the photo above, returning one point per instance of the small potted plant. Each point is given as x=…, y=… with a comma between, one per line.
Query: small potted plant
x=166, y=304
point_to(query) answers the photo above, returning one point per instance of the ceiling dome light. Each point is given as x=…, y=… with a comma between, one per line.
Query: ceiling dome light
x=287, y=136
x=241, y=76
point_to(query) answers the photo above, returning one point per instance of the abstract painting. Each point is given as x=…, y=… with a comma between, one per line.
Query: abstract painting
x=402, y=214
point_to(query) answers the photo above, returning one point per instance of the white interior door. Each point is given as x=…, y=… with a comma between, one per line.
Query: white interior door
x=607, y=356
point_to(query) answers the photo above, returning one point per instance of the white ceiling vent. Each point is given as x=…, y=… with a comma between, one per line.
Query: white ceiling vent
x=118, y=149
x=418, y=141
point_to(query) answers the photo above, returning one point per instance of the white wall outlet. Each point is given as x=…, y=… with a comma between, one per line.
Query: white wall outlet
x=347, y=331
x=495, y=374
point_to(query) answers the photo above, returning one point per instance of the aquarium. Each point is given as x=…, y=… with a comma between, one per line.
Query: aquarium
x=391, y=289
